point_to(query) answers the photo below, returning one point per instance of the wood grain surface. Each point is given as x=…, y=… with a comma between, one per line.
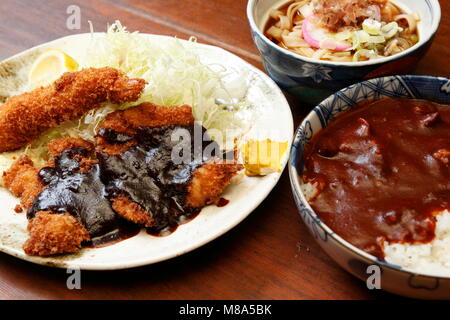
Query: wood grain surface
x=268, y=256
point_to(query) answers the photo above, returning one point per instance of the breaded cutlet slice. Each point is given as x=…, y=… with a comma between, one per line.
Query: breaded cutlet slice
x=50, y=233
x=22, y=178
x=144, y=115
x=207, y=184
x=22, y=181
x=208, y=180
x=59, y=145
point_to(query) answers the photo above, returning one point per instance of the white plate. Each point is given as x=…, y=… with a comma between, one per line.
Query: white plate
x=211, y=223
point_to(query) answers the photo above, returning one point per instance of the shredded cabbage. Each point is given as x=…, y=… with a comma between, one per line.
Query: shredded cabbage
x=175, y=74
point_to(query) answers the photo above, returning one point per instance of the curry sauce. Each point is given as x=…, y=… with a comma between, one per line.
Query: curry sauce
x=381, y=171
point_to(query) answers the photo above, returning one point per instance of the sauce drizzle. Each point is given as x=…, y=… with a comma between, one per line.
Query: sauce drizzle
x=146, y=172
x=149, y=176
x=82, y=194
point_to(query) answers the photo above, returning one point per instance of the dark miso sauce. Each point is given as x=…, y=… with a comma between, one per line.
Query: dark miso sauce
x=81, y=194
x=157, y=231
x=148, y=174
x=382, y=172
x=222, y=202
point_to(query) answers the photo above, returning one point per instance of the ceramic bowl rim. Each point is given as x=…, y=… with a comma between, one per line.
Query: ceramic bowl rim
x=296, y=188
x=435, y=11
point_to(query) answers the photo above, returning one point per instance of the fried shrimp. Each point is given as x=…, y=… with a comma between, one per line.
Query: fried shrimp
x=24, y=117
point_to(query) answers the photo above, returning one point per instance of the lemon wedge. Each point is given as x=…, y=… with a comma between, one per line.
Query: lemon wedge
x=262, y=157
x=49, y=66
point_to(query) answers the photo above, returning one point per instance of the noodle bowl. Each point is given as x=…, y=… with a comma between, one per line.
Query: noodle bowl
x=312, y=73
x=342, y=30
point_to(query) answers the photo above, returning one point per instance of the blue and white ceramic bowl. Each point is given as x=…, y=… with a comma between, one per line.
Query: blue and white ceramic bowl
x=393, y=278
x=312, y=80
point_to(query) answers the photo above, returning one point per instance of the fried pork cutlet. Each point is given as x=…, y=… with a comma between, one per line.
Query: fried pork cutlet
x=87, y=193
x=64, y=200
x=57, y=146
x=52, y=234
x=123, y=124
x=23, y=181
x=209, y=181
x=24, y=117
x=146, y=186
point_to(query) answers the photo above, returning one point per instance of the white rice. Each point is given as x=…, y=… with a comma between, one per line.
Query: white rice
x=433, y=257
x=430, y=258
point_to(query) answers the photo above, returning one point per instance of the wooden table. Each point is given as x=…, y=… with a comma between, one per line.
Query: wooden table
x=271, y=254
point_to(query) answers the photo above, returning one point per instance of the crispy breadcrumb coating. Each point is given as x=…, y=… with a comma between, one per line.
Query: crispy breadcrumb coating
x=207, y=184
x=52, y=234
x=147, y=115
x=209, y=181
x=59, y=145
x=132, y=211
x=24, y=117
x=23, y=181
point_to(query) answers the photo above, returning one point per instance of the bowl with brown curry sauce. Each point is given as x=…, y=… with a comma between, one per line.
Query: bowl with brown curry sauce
x=370, y=172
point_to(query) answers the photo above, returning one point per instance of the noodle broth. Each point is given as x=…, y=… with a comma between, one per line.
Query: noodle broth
x=342, y=30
